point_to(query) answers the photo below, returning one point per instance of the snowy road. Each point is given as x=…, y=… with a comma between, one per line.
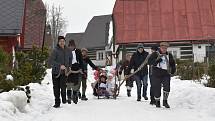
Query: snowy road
x=188, y=101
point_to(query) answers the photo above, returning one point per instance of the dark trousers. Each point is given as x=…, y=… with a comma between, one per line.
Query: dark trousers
x=151, y=88
x=59, y=87
x=141, y=81
x=158, y=81
x=84, y=85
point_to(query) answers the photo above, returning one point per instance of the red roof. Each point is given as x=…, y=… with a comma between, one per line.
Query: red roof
x=163, y=20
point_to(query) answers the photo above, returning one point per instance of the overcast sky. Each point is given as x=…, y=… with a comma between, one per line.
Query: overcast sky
x=79, y=12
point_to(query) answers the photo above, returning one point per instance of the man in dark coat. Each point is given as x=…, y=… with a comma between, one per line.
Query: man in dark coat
x=124, y=67
x=59, y=61
x=163, y=66
x=73, y=80
x=86, y=61
x=140, y=77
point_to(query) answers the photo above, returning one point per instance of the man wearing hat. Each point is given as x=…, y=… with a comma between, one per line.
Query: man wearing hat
x=86, y=61
x=140, y=77
x=59, y=60
x=163, y=65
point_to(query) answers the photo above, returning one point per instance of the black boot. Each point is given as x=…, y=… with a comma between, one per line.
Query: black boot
x=145, y=93
x=165, y=104
x=83, y=97
x=128, y=93
x=145, y=97
x=152, y=102
x=69, y=96
x=157, y=103
x=79, y=94
x=75, y=97
x=139, y=98
x=165, y=97
x=56, y=106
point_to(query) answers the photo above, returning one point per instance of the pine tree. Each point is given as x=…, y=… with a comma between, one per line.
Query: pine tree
x=31, y=66
x=5, y=85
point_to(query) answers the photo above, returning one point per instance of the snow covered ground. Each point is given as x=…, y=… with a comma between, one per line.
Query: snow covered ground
x=189, y=102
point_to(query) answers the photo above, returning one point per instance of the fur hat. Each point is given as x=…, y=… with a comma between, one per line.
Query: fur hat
x=164, y=44
x=84, y=49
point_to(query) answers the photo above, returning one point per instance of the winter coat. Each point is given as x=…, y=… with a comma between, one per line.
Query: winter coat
x=79, y=59
x=136, y=60
x=75, y=77
x=86, y=61
x=59, y=57
x=156, y=59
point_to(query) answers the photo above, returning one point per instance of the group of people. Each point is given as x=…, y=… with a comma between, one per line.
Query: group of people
x=69, y=72
x=104, y=85
x=161, y=67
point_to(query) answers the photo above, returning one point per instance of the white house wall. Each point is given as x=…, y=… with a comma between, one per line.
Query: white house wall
x=175, y=51
x=199, y=52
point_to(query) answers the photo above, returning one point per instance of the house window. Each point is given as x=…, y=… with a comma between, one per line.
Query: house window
x=100, y=55
x=210, y=52
x=186, y=48
x=186, y=52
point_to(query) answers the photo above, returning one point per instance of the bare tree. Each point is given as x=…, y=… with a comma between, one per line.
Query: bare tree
x=56, y=21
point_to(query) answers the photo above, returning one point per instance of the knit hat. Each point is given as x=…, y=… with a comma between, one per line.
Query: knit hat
x=155, y=48
x=61, y=37
x=140, y=45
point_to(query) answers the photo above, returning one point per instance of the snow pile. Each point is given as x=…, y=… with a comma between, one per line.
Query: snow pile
x=17, y=98
x=191, y=95
x=11, y=104
x=7, y=111
x=9, y=77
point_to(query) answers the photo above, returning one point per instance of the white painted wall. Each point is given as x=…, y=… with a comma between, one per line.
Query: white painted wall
x=99, y=62
x=175, y=51
x=199, y=53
